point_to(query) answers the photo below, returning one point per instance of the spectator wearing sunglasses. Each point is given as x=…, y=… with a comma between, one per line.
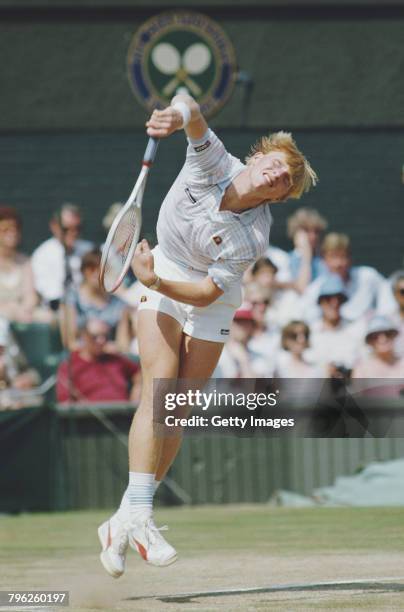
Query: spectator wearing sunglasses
x=292, y=361
x=383, y=361
x=92, y=374
x=50, y=258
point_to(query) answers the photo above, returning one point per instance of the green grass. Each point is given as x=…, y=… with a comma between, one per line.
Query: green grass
x=51, y=549
x=228, y=528
x=283, y=531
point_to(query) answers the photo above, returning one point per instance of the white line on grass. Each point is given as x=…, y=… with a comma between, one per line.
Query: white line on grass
x=293, y=586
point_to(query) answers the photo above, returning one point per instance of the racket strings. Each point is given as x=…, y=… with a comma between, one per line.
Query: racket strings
x=117, y=259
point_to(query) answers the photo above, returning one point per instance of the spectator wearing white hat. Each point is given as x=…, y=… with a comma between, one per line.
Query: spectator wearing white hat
x=383, y=362
x=335, y=342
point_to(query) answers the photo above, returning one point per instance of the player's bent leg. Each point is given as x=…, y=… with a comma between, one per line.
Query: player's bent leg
x=198, y=359
x=159, y=346
x=159, y=337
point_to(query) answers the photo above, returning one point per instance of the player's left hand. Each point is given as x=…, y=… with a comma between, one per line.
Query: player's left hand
x=162, y=123
x=143, y=264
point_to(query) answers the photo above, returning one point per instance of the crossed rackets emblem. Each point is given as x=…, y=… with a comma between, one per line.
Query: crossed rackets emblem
x=195, y=60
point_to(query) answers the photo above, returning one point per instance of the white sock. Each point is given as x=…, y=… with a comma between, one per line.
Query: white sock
x=124, y=509
x=140, y=495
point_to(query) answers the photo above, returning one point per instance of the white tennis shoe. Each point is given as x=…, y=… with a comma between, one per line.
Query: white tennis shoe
x=113, y=536
x=146, y=539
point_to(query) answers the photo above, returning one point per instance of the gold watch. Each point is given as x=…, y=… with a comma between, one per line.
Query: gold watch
x=155, y=286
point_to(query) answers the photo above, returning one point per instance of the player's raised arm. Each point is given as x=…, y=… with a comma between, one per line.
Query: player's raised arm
x=183, y=113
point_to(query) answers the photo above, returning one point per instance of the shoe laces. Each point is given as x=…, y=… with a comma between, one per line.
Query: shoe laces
x=153, y=532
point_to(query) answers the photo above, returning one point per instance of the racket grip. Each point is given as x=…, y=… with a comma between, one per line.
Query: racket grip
x=151, y=151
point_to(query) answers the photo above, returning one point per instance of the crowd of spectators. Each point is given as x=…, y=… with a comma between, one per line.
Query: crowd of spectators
x=313, y=313
x=306, y=313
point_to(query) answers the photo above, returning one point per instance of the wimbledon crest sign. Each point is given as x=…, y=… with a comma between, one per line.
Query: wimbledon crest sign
x=181, y=52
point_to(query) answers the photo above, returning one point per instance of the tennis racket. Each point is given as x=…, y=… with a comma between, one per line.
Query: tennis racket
x=123, y=235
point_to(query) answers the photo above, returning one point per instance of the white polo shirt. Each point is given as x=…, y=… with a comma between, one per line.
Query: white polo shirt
x=193, y=232
x=48, y=265
x=342, y=345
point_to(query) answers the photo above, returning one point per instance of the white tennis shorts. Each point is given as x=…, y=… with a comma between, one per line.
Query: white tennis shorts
x=208, y=323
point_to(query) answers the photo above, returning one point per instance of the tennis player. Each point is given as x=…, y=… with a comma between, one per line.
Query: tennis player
x=213, y=224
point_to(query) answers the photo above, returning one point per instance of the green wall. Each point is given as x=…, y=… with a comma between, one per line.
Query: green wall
x=341, y=66
x=70, y=129
x=359, y=190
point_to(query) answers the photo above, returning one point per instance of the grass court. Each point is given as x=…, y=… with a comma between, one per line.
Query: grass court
x=240, y=557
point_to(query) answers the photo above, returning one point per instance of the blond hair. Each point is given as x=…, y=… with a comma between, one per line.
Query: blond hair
x=304, y=218
x=336, y=242
x=302, y=174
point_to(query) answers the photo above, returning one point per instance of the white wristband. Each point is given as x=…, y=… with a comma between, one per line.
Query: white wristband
x=185, y=111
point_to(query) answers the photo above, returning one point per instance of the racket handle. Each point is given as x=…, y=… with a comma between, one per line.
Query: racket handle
x=151, y=151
